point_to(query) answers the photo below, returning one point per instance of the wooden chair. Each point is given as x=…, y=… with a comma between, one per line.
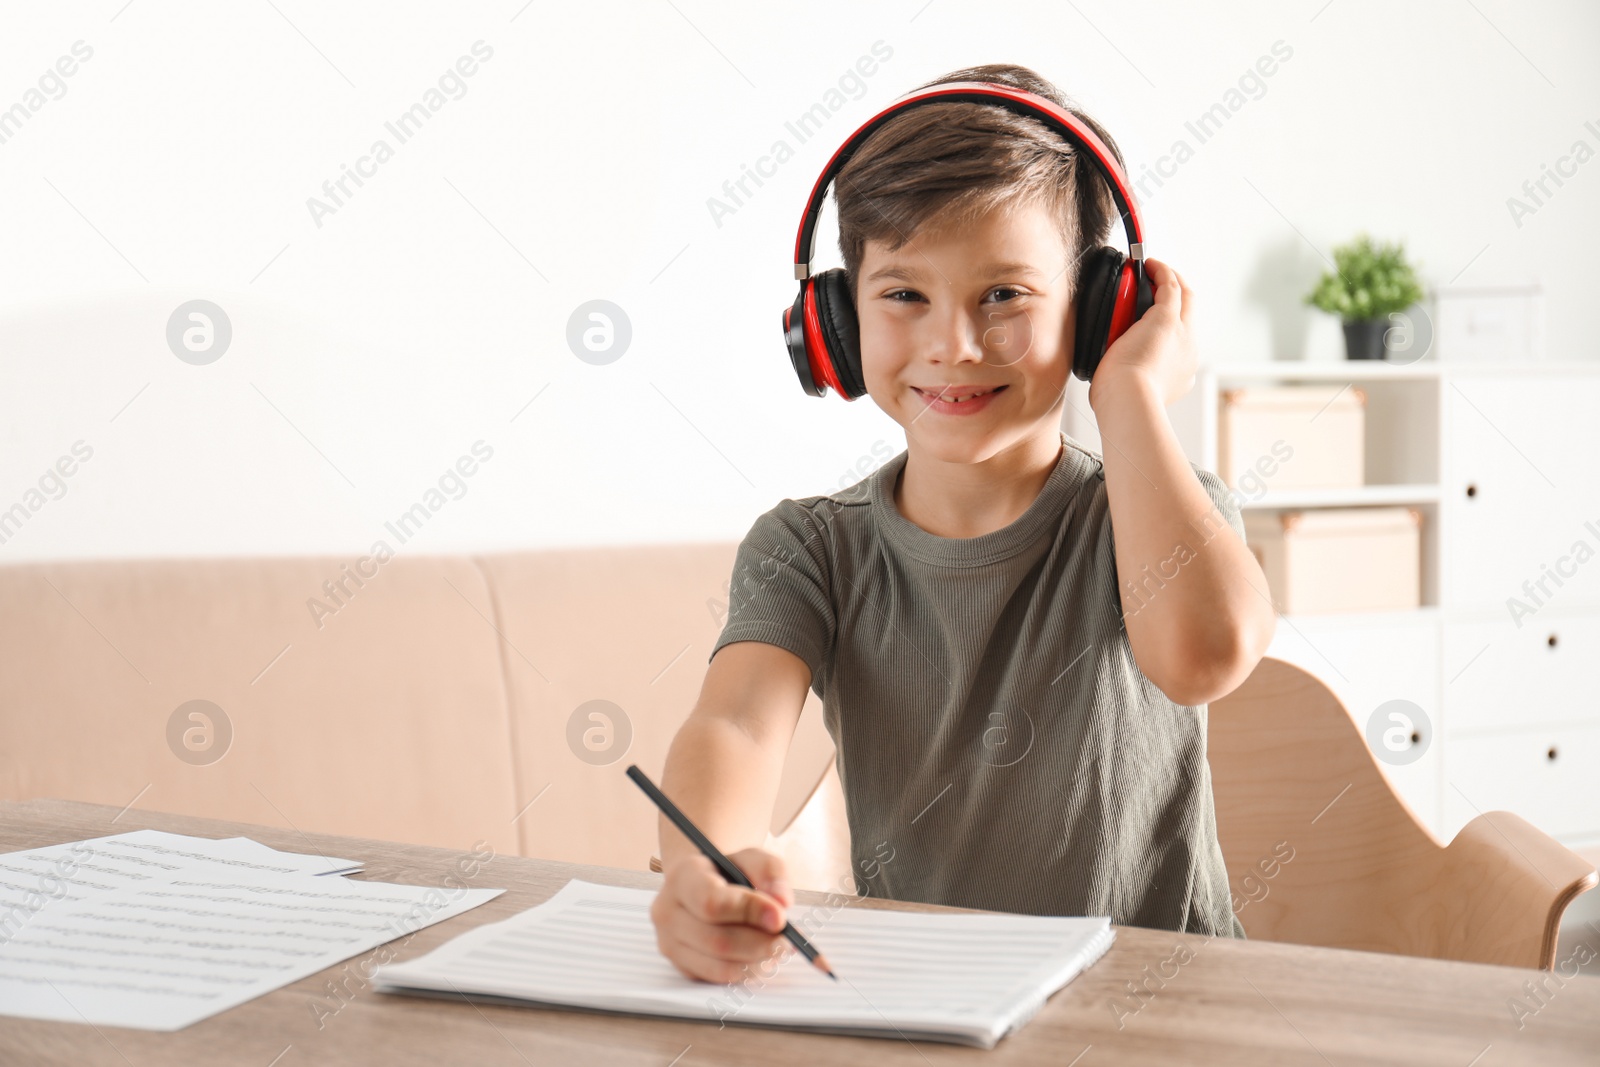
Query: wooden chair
x=1292, y=776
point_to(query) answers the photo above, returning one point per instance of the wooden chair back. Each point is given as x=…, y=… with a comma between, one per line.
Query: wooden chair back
x=1321, y=850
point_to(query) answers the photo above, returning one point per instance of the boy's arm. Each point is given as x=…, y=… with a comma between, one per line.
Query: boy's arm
x=722, y=770
x=1195, y=602
x=724, y=765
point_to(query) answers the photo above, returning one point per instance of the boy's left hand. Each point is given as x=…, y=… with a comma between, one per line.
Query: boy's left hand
x=1158, y=351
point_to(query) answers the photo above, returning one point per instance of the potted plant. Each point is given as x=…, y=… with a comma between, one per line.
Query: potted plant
x=1369, y=283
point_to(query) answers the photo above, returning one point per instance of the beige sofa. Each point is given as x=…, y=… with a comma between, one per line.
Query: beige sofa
x=425, y=700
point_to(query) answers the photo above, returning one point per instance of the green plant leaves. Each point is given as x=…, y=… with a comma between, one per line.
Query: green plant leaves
x=1369, y=281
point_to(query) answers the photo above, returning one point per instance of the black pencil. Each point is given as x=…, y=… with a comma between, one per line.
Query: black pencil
x=729, y=869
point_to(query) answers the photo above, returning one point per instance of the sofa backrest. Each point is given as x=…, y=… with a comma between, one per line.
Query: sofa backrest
x=632, y=627
x=386, y=718
x=420, y=699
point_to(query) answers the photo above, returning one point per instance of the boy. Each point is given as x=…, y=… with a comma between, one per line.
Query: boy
x=1016, y=695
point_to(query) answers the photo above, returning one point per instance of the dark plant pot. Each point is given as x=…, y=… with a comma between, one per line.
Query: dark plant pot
x=1363, y=338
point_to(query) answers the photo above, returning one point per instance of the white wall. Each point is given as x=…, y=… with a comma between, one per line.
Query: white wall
x=372, y=351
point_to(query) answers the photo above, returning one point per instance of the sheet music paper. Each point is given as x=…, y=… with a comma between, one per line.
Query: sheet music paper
x=44, y=877
x=964, y=978
x=162, y=952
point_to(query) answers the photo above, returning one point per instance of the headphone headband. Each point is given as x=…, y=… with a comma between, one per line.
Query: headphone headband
x=1018, y=101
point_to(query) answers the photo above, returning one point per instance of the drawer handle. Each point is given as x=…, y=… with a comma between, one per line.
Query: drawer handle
x=1551, y=754
x=1472, y=489
x=1551, y=640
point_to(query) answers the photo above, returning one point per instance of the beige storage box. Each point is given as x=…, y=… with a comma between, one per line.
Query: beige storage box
x=1292, y=437
x=1339, y=559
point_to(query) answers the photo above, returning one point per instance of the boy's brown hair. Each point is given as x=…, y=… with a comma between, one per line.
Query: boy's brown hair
x=950, y=163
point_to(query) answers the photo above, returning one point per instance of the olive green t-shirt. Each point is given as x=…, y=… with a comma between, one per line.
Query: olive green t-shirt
x=998, y=746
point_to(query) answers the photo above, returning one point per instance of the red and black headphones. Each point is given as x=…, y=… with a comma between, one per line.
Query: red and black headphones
x=821, y=329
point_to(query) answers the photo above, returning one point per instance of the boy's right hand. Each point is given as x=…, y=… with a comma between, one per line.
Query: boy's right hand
x=714, y=930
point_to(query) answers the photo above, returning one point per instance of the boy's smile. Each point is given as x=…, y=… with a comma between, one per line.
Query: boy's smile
x=964, y=333
x=958, y=399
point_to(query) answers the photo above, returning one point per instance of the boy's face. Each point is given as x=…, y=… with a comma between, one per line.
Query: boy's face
x=955, y=308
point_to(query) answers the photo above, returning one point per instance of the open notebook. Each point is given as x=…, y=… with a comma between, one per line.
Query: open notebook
x=969, y=979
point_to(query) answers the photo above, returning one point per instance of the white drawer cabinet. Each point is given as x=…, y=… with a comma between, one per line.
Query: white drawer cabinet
x=1501, y=460
x=1520, y=483
x=1500, y=677
x=1368, y=662
x=1546, y=776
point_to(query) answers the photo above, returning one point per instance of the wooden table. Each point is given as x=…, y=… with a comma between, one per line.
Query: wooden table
x=1224, y=1002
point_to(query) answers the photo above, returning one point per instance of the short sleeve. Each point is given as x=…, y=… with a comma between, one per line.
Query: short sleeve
x=1226, y=500
x=780, y=591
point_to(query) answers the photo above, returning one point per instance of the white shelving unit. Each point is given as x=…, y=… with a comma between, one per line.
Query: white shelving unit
x=1404, y=493
x=1402, y=438
x=1503, y=462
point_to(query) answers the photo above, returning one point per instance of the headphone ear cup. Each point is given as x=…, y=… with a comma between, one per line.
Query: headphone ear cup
x=841, y=332
x=1097, y=298
x=794, y=338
